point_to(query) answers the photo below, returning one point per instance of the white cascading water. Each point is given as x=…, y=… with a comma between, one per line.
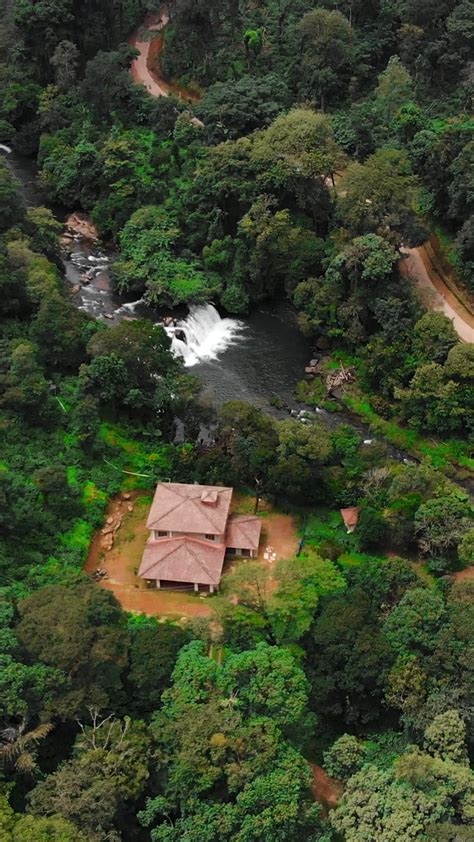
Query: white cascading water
x=4, y=148
x=130, y=307
x=207, y=335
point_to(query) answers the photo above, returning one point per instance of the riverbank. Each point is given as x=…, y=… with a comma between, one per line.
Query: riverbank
x=452, y=456
x=261, y=363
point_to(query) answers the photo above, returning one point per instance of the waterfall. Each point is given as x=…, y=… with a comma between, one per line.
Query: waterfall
x=4, y=148
x=206, y=334
x=130, y=307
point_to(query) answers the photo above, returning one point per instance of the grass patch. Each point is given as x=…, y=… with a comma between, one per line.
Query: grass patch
x=243, y=503
x=354, y=559
x=72, y=474
x=91, y=494
x=325, y=523
x=79, y=537
x=439, y=454
x=145, y=466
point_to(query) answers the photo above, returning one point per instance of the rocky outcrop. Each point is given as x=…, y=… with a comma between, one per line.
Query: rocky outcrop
x=112, y=525
x=79, y=223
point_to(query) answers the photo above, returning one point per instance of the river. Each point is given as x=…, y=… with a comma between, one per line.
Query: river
x=251, y=359
x=255, y=359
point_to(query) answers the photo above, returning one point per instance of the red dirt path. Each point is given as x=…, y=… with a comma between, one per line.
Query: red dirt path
x=420, y=265
x=326, y=791
x=467, y=573
x=146, y=68
x=140, y=70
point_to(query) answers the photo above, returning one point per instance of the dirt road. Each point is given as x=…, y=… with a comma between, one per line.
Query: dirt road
x=325, y=789
x=435, y=293
x=146, y=68
x=140, y=71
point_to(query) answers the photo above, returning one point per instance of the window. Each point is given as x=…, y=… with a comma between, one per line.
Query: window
x=161, y=534
x=210, y=537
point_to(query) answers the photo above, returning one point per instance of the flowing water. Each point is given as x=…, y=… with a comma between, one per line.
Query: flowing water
x=256, y=359
x=203, y=334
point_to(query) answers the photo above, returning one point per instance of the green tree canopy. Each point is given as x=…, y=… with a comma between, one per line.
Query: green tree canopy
x=379, y=196
x=79, y=631
x=150, y=262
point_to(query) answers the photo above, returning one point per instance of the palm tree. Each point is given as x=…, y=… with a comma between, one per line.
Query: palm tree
x=17, y=745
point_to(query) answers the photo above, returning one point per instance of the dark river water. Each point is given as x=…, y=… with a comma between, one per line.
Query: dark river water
x=266, y=359
x=254, y=359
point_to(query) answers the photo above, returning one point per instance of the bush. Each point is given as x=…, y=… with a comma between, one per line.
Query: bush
x=330, y=550
x=345, y=757
x=371, y=529
x=439, y=566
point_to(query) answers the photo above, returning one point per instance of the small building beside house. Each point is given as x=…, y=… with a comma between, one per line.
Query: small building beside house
x=350, y=517
x=191, y=532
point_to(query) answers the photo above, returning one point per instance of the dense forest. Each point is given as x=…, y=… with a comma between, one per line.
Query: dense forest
x=313, y=142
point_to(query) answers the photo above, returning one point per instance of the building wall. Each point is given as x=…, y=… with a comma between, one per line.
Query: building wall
x=238, y=551
x=216, y=539
x=180, y=586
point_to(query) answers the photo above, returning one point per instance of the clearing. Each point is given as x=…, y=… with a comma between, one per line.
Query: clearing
x=121, y=562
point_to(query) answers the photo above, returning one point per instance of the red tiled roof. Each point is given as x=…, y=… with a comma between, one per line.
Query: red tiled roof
x=183, y=559
x=178, y=507
x=243, y=532
x=350, y=516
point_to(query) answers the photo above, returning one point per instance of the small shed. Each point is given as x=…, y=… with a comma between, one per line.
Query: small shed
x=350, y=517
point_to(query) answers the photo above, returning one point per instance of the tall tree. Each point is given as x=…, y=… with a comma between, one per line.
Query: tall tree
x=379, y=196
x=81, y=632
x=329, y=54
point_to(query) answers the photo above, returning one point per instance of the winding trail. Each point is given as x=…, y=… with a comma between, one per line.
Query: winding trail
x=418, y=263
x=140, y=70
x=144, y=68
x=419, y=266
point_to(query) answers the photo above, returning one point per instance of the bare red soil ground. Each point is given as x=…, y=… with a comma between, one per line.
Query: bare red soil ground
x=421, y=265
x=326, y=790
x=122, y=561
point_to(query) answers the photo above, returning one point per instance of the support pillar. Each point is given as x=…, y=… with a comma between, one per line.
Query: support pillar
x=211, y=588
x=158, y=584
x=196, y=587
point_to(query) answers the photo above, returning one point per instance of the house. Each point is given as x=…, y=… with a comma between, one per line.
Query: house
x=350, y=517
x=191, y=532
